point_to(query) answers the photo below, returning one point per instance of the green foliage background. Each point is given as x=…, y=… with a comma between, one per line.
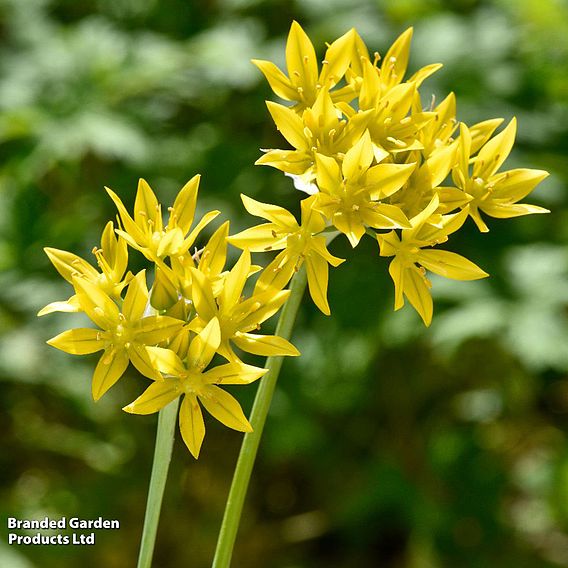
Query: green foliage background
x=388, y=444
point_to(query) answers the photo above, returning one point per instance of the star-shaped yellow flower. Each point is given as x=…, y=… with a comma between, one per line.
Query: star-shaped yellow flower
x=494, y=193
x=413, y=255
x=147, y=233
x=112, y=259
x=189, y=378
x=304, y=82
x=349, y=196
x=318, y=130
x=298, y=243
x=238, y=316
x=124, y=332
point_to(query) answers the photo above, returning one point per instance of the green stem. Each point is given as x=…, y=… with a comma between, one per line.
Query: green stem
x=249, y=448
x=162, y=456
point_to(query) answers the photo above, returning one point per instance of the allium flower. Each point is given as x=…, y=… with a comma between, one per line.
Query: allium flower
x=147, y=233
x=495, y=193
x=349, y=196
x=187, y=376
x=298, y=243
x=373, y=157
x=305, y=81
x=123, y=335
x=412, y=255
x=112, y=259
x=239, y=316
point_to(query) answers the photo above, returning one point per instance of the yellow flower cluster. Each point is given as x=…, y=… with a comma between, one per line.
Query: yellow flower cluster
x=373, y=160
x=171, y=334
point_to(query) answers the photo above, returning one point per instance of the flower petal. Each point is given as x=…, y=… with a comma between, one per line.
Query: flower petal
x=140, y=358
x=202, y=295
x=96, y=304
x=222, y=406
x=204, y=345
x=136, y=298
x=131, y=228
x=277, y=215
x=183, y=209
x=495, y=152
x=259, y=239
x=318, y=275
x=416, y=288
x=70, y=265
x=337, y=59
x=301, y=58
x=166, y=361
x=450, y=265
x=147, y=210
x=155, y=397
x=234, y=374
x=205, y=220
x=191, y=424
x=395, y=61
x=80, y=341
x=278, y=82
x=214, y=255
x=109, y=369
x=383, y=180
x=358, y=159
x=289, y=124
x=265, y=345
x=70, y=306
x=235, y=282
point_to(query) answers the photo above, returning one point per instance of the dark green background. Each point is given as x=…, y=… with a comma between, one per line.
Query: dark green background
x=388, y=444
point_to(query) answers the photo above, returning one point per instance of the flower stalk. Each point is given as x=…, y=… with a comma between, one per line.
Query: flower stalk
x=249, y=448
x=162, y=457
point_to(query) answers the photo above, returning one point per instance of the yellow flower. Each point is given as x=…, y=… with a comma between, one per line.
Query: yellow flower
x=394, y=125
x=390, y=73
x=124, y=332
x=304, y=81
x=238, y=316
x=173, y=284
x=438, y=133
x=112, y=259
x=395, y=63
x=494, y=193
x=188, y=378
x=146, y=232
x=408, y=268
x=349, y=196
x=298, y=243
x=318, y=130
x=424, y=182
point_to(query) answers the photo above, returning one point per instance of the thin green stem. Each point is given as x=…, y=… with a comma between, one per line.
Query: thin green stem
x=162, y=456
x=249, y=448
